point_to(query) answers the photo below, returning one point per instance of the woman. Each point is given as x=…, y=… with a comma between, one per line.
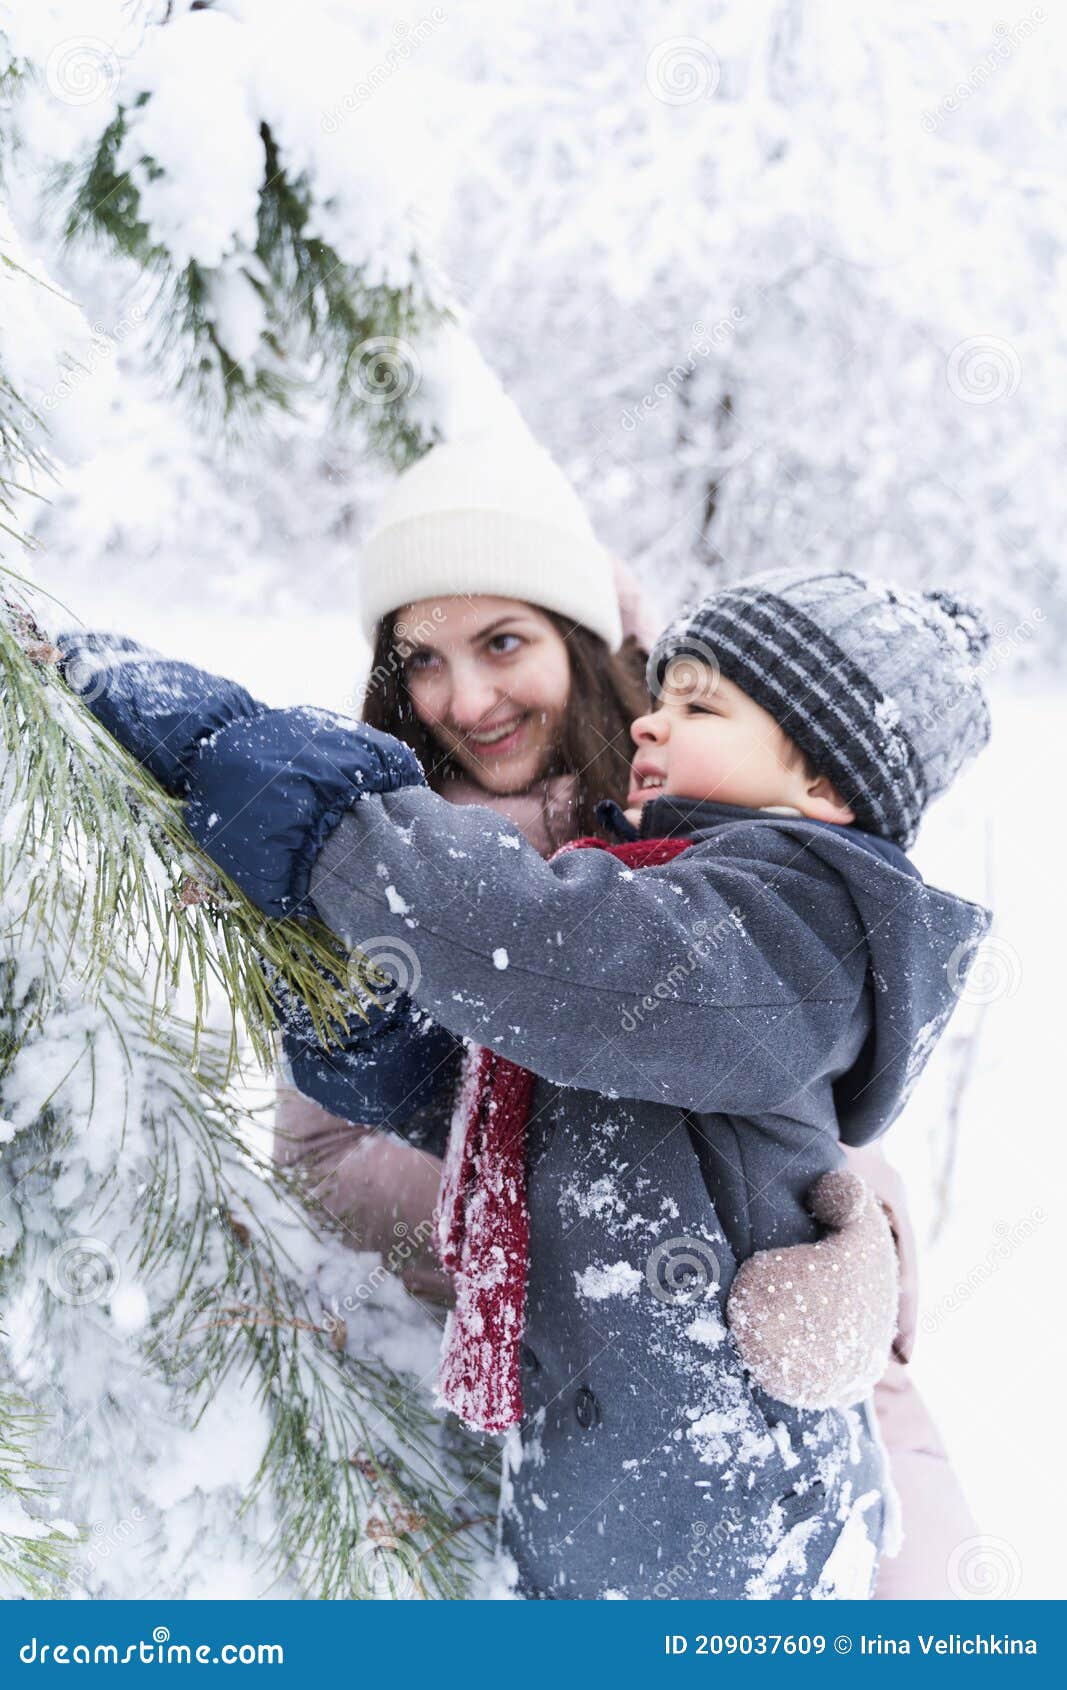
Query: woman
x=509, y=654
x=568, y=664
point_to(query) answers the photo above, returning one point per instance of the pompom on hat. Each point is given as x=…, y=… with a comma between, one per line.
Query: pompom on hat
x=491, y=515
x=880, y=686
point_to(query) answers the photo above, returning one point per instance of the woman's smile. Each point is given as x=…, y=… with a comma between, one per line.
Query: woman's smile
x=500, y=739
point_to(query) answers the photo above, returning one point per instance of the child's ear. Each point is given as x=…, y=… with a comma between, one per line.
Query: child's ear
x=824, y=803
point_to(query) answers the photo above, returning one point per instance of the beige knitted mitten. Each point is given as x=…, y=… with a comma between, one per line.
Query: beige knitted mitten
x=814, y=1323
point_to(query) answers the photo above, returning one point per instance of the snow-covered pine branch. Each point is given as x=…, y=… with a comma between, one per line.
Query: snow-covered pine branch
x=285, y=246
x=173, y=1355
x=35, y=1552
x=168, y=1306
x=166, y=1291
x=368, y=134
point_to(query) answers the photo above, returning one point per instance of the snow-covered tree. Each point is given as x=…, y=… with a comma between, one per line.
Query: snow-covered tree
x=776, y=282
x=274, y=260
x=222, y=1397
x=172, y=1307
x=34, y=1551
x=781, y=282
x=284, y=277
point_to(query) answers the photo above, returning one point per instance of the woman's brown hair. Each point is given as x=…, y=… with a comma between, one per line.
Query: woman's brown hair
x=607, y=692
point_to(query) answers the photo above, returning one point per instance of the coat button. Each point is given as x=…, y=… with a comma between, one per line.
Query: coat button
x=801, y=1505
x=586, y=1408
x=528, y=1358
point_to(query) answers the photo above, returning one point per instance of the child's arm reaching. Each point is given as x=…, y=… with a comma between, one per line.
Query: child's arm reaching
x=713, y=983
x=389, y=1066
x=281, y=778
x=562, y=993
x=696, y=983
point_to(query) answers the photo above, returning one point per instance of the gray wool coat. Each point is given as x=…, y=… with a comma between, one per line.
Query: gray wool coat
x=706, y=1034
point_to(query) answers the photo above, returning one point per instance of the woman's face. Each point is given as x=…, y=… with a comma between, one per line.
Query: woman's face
x=490, y=679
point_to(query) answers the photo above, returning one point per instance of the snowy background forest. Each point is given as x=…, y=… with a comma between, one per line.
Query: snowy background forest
x=776, y=281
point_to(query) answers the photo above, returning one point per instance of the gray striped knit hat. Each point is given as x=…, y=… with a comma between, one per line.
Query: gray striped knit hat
x=881, y=687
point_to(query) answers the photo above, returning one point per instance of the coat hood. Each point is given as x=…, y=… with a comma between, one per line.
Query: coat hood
x=920, y=942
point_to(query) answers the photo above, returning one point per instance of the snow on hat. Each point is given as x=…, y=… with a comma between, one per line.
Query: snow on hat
x=878, y=685
x=488, y=515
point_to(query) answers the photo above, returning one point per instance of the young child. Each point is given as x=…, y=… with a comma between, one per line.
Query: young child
x=677, y=1033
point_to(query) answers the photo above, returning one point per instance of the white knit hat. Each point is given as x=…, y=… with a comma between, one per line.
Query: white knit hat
x=486, y=515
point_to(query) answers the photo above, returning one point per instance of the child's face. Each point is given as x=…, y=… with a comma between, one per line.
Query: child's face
x=705, y=738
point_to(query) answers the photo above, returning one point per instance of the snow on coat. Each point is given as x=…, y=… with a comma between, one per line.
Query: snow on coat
x=706, y=1034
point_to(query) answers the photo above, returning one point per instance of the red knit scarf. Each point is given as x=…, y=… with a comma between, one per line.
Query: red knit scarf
x=481, y=1222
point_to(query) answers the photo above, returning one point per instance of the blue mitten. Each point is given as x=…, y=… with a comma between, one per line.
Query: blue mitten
x=158, y=708
x=264, y=787
x=381, y=1071
x=267, y=790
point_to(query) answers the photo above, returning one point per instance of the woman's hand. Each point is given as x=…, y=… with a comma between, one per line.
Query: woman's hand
x=814, y=1323
x=381, y=1071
